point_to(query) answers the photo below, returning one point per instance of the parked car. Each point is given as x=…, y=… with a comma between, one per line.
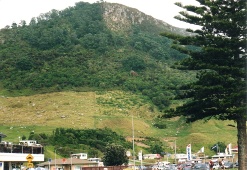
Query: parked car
x=172, y=167
x=235, y=165
x=201, y=166
x=216, y=166
x=187, y=167
x=228, y=165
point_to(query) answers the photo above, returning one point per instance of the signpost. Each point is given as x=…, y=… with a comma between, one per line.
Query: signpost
x=49, y=160
x=29, y=159
x=30, y=165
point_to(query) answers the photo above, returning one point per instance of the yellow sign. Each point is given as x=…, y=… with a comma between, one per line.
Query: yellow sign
x=29, y=158
x=30, y=165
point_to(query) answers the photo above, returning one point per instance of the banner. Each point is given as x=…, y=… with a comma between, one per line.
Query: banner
x=228, y=149
x=201, y=150
x=188, y=151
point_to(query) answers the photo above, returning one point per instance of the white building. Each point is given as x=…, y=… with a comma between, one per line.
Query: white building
x=97, y=160
x=79, y=156
x=28, y=142
x=151, y=156
x=222, y=156
x=14, y=155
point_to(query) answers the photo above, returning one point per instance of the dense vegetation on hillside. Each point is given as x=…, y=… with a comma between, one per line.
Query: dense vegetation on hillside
x=91, y=141
x=95, y=141
x=73, y=48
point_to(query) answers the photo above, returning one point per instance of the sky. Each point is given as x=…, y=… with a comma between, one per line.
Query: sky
x=16, y=10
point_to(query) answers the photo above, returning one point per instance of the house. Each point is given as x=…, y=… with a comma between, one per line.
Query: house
x=235, y=149
x=222, y=156
x=79, y=155
x=28, y=143
x=98, y=160
x=151, y=156
x=67, y=164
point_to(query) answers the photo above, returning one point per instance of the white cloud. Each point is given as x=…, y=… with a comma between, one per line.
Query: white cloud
x=17, y=10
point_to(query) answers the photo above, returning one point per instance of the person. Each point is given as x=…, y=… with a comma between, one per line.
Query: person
x=211, y=165
x=221, y=164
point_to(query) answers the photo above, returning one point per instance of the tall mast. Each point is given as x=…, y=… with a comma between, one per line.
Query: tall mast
x=133, y=141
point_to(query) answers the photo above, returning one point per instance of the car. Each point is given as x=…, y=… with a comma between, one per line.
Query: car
x=235, y=165
x=172, y=167
x=142, y=167
x=201, y=166
x=216, y=166
x=187, y=167
x=228, y=165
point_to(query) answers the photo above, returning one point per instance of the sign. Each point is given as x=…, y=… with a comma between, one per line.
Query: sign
x=29, y=158
x=128, y=153
x=49, y=159
x=188, y=149
x=30, y=165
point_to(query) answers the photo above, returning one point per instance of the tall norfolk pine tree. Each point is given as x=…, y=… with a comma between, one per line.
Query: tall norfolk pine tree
x=220, y=90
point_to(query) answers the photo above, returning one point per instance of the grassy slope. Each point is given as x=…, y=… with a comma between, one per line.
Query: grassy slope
x=44, y=112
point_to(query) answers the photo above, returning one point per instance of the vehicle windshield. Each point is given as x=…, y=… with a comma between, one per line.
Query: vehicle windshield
x=228, y=163
x=198, y=165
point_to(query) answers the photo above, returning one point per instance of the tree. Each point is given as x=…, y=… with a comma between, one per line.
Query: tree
x=156, y=149
x=114, y=155
x=220, y=90
x=218, y=147
x=135, y=63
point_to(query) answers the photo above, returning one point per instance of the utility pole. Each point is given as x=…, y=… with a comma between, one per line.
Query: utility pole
x=175, y=152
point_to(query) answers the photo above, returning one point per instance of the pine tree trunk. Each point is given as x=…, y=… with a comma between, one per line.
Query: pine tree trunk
x=242, y=145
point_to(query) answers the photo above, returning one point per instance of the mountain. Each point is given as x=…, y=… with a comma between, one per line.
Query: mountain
x=96, y=66
x=121, y=18
x=91, y=46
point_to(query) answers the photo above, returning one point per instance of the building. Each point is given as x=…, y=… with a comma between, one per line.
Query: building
x=67, y=164
x=79, y=155
x=224, y=156
x=28, y=143
x=16, y=155
x=98, y=160
x=151, y=156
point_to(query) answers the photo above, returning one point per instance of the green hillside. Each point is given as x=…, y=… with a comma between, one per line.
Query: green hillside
x=43, y=113
x=77, y=48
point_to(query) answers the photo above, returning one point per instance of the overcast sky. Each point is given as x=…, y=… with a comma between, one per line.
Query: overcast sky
x=17, y=10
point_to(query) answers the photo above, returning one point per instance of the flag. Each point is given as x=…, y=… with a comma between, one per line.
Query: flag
x=228, y=149
x=201, y=150
x=214, y=147
x=140, y=155
x=188, y=151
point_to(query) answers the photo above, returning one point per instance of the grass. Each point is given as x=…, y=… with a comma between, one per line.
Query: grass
x=43, y=113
